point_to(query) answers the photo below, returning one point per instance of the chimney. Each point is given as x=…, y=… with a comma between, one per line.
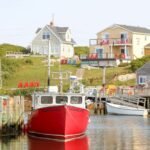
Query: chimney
x=51, y=23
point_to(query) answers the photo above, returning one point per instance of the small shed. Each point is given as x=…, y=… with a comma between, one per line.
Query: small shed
x=147, y=50
x=143, y=75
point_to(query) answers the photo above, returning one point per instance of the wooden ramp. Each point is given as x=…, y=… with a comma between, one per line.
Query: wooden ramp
x=132, y=100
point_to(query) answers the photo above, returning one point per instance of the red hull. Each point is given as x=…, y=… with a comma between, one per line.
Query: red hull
x=58, y=122
x=77, y=144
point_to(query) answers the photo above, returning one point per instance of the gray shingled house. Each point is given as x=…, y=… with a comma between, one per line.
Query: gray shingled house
x=56, y=39
x=143, y=75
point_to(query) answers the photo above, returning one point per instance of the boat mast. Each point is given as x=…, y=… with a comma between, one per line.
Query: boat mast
x=60, y=78
x=49, y=54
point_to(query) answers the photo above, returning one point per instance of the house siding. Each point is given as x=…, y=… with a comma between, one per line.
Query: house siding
x=142, y=74
x=67, y=50
x=133, y=49
x=139, y=41
x=41, y=46
x=60, y=43
x=147, y=52
x=114, y=34
x=143, y=71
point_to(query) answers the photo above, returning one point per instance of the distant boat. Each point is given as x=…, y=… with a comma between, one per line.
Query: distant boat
x=123, y=110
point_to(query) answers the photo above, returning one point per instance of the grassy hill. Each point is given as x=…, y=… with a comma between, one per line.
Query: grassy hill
x=35, y=69
x=4, y=48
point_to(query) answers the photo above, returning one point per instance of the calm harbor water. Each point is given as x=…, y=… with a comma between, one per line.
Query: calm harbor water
x=106, y=132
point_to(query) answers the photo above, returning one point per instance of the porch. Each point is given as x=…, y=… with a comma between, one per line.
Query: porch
x=117, y=48
x=103, y=59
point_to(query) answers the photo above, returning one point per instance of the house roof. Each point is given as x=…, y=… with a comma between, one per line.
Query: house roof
x=147, y=46
x=135, y=28
x=38, y=29
x=145, y=69
x=60, y=31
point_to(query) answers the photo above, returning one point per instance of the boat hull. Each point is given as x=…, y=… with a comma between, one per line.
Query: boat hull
x=123, y=110
x=58, y=122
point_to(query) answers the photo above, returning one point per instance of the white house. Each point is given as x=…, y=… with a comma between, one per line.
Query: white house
x=56, y=39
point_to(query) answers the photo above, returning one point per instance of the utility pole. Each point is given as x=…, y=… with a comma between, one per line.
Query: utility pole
x=0, y=75
x=49, y=55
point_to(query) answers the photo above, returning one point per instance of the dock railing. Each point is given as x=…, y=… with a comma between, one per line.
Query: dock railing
x=129, y=100
x=142, y=91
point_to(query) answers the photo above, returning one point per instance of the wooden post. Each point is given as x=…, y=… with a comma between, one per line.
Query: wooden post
x=148, y=103
x=104, y=79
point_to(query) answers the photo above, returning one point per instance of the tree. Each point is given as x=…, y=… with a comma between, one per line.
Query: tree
x=79, y=50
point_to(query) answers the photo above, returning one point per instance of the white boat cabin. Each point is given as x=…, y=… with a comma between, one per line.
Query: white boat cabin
x=40, y=100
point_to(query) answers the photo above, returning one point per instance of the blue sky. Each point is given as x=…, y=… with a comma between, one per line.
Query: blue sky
x=19, y=19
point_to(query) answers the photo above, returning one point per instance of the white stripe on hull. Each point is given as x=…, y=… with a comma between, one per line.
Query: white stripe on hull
x=57, y=135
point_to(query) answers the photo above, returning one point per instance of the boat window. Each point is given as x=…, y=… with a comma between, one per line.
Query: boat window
x=76, y=100
x=61, y=99
x=46, y=100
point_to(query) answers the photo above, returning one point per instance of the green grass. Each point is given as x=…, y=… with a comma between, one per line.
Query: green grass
x=37, y=71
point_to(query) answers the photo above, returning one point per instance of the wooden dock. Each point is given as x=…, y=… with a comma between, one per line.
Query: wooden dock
x=11, y=115
x=129, y=100
x=140, y=92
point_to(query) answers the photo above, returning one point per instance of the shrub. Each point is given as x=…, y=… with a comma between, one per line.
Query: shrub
x=28, y=61
x=135, y=64
x=79, y=50
x=123, y=64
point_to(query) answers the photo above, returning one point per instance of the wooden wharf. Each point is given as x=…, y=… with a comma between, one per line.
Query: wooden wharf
x=132, y=100
x=11, y=115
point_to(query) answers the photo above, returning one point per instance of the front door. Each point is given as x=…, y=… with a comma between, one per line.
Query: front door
x=99, y=51
x=122, y=53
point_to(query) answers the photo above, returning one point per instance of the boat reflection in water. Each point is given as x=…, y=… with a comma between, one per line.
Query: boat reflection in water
x=80, y=143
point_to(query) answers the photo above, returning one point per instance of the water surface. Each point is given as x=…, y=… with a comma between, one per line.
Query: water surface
x=108, y=132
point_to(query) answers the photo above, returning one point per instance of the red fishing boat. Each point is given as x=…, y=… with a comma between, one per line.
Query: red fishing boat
x=58, y=116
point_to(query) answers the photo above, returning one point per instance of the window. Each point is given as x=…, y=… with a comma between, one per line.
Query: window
x=105, y=36
x=100, y=52
x=46, y=35
x=137, y=41
x=123, y=36
x=122, y=51
x=46, y=100
x=76, y=100
x=142, y=79
x=61, y=99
